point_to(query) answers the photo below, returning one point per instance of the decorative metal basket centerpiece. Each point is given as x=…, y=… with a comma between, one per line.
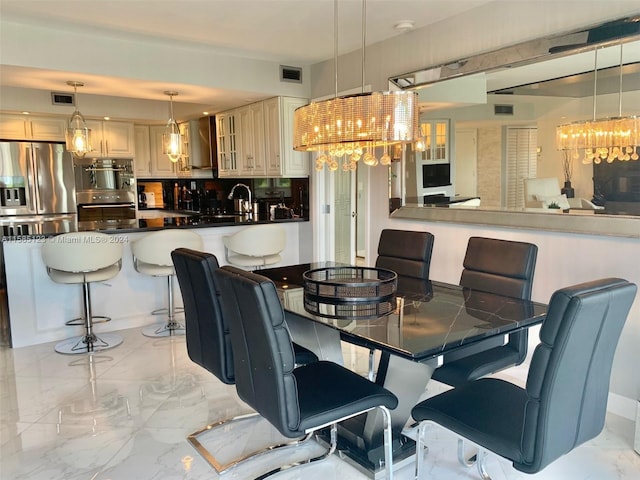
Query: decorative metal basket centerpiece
x=354, y=293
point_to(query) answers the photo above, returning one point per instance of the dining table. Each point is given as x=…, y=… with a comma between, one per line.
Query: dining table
x=411, y=329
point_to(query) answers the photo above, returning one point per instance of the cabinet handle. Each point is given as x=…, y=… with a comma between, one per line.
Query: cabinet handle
x=106, y=146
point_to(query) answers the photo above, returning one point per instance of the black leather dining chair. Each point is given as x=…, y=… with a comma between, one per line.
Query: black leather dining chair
x=300, y=400
x=408, y=254
x=502, y=267
x=207, y=334
x=565, y=399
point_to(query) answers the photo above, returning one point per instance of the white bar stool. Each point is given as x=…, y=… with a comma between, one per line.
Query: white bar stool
x=152, y=256
x=255, y=247
x=84, y=258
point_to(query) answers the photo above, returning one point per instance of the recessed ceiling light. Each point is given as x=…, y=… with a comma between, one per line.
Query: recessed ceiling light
x=205, y=113
x=404, y=26
x=107, y=118
x=26, y=113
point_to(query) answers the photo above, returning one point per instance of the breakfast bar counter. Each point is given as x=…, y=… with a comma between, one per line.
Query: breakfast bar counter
x=39, y=307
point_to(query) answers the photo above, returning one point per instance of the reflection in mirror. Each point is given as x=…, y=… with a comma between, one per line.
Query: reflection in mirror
x=485, y=133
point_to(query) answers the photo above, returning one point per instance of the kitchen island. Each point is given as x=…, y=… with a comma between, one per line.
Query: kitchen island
x=39, y=307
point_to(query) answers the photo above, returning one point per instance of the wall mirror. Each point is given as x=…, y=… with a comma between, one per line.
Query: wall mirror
x=490, y=122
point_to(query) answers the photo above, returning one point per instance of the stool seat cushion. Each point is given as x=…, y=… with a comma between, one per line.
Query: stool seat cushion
x=100, y=275
x=155, y=248
x=250, y=261
x=155, y=270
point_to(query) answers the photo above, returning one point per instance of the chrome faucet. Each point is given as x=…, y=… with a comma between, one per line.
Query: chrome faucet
x=230, y=196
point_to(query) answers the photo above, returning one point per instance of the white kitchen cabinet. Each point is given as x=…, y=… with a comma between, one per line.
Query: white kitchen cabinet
x=143, y=151
x=161, y=165
x=296, y=164
x=227, y=127
x=112, y=139
x=257, y=140
x=22, y=127
x=149, y=160
x=281, y=159
x=252, y=146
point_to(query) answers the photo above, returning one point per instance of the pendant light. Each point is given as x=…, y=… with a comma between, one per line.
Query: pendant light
x=171, y=138
x=350, y=127
x=77, y=135
x=615, y=138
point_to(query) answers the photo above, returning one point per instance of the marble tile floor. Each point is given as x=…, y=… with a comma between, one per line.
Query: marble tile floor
x=124, y=414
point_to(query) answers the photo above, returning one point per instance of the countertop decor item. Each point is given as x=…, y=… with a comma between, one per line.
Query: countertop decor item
x=353, y=293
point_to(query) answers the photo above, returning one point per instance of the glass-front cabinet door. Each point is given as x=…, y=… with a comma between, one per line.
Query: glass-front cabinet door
x=227, y=144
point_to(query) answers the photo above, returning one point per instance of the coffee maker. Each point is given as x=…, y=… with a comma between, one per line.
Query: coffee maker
x=142, y=197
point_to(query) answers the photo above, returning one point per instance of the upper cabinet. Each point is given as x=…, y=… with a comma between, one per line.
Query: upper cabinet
x=226, y=128
x=143, y=151
x=199, y=156
x=251, y=152
x=257, y=140
x=22, y=127
x=161, y=165
x=112, y=139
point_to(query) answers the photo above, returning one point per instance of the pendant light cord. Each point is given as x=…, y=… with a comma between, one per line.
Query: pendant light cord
x=595, y=83
x=364, y=37
x=335, y=45
x=620, y=95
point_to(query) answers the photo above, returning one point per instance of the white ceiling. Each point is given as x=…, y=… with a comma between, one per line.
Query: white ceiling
x=291, y=32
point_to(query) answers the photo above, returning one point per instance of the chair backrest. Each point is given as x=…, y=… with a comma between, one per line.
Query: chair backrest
x=155, y=248
x=568, y=381
x=207, y=333
x=498, y=266
x=257, y=240
x=263, y=353
x=408, y=253
x=81, y=251
x=535, y=187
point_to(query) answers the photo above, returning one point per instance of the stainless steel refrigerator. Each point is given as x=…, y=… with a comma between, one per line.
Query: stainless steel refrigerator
x=37, y=188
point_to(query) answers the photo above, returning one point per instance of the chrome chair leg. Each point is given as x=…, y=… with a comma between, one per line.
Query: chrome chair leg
x=388, y=447
x=467, y=462
x=223, y=467
x=332, y=448
x=482, y=456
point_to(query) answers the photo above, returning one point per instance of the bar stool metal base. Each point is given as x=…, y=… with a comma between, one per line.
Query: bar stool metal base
x=88, y=344
x=94, y=319
x=167, y=330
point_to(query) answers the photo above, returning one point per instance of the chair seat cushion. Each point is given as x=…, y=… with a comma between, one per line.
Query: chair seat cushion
x=303, y=355
x=250, y=261
x=478, y=365
x=155, y=270
x=100, y=275
x=488, y=411
x=328, y=391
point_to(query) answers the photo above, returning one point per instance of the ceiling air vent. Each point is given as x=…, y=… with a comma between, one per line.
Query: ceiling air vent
x=66, y=99
x=503, y=109
x=290, y=74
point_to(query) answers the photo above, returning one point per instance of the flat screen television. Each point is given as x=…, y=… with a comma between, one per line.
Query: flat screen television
x=436, y=175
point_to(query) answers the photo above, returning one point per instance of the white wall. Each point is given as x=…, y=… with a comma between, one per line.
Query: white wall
x=485, y=28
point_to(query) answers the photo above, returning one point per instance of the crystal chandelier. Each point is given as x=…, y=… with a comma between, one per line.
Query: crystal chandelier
x=350, y=127
x=77, y=135
x=609, y=139
x=171, y=138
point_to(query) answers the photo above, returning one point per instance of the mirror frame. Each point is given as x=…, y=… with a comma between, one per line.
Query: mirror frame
x=623, y=30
